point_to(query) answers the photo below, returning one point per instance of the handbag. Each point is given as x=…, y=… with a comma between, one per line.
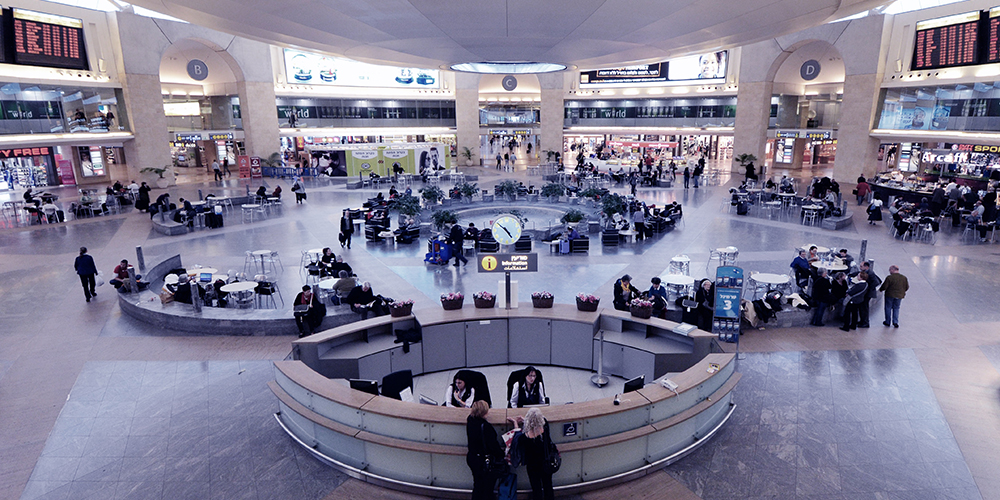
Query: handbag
x=99, y=278
x=553, y=460
x=491, y=465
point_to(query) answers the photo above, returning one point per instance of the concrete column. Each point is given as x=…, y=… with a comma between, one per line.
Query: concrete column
x=552, y=112
x=857, y=151
x=467, y=114
x=752, y=113
x=260, y=117
x=148, y=124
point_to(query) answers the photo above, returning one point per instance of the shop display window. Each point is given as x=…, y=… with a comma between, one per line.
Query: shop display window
x=961, y=107
x=34, y=109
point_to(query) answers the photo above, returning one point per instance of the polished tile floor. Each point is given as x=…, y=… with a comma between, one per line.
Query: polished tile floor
x=96, y=405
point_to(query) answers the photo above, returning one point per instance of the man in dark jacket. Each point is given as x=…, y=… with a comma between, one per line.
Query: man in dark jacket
x=87, y=270
x=455, y=239
x=624, y=293
x=311, y=318
x=873, y=283
x=855, y=296
x=361, y=299
x=821, y=294
x=346, y=230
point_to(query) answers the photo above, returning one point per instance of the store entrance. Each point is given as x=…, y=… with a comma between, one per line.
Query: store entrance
x=27, y=171
x=523, y=144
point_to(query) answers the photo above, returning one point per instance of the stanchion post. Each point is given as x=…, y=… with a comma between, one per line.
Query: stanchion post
x=133, y=286
x=195, y=296
x=140, y=260
x=599, y=379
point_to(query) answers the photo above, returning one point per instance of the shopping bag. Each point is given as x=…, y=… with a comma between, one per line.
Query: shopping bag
x=100, y=278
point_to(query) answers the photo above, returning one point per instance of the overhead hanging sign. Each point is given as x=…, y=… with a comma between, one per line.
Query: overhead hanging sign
x=317, y=69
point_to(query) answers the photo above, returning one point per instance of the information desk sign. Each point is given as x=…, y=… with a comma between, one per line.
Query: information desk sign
x=728, y=292
x=508, y=263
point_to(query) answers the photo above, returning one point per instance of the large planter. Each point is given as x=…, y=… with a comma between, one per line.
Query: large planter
x=485, y=304
x=542, y=303
x=162, y=183
x=451, y=305
x=400, y=311
x=641, y=312
x=586, y=306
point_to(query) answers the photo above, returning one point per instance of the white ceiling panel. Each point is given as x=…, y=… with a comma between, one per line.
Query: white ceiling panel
x=439, y=33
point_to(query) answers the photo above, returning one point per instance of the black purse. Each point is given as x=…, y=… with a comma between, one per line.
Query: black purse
x=491, y=464
x=553, y=460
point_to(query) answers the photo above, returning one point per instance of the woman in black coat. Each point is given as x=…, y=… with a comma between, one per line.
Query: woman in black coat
x=346, y=230
x=310, y=320
x=482, y=443
x=531, y=447
x=143, y=202
x=705, y=297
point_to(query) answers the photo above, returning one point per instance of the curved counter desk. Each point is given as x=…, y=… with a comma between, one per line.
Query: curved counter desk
x=422, y=448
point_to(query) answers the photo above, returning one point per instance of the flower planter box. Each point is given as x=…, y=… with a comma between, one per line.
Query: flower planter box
x=485, y=304
x=641, y=312
x=399, y=312
x=542, y=303
x=451, y=305
x=586, y=306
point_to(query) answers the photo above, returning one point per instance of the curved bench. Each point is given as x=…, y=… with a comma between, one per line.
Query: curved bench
x=145, y=306
x=422, y=448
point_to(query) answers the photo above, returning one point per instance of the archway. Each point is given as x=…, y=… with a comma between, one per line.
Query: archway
x=509, y=117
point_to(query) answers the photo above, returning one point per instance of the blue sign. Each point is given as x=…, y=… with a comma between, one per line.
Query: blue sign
x=809, y=70
x=727, y=303
x=197, y=69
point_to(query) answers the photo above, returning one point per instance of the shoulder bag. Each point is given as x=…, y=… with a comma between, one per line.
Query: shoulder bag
x=491, y=464
x=553, y=460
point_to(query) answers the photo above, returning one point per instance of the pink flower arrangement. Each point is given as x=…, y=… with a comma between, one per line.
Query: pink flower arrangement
x=587, y=298
x=641, y=304
x=452, y=296
x=484, y=295
x=541, y=295
x=401, y=303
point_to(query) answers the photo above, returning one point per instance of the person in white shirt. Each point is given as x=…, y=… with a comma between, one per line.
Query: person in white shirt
x=528, y=391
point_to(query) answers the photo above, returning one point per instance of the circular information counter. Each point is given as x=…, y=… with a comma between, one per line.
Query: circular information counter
x=422, y=449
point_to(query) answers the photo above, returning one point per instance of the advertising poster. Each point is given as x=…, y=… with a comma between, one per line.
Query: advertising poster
x=432, y=158
x=941, y=115
x=921, y=118
x=317, y=69
x=66, y=177
x=905, y=119
x=255, y=172
x=363, y=162
x=243, y=162
x=330, y=163
x=708, y=66
x=398, y=158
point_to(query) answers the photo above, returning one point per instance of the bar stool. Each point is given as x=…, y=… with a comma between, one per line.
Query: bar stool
x=248, y=210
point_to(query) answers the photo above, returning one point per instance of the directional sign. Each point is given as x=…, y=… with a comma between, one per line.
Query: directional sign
x=508, y=263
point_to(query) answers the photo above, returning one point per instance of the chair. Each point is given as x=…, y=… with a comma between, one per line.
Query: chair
x=249, y=262
x=610, y=237
x=395, y=382
x=517, y=376
x=272, y=258
x=267, y=289
x=523, y=244
x=478, y=382
x=489, y=246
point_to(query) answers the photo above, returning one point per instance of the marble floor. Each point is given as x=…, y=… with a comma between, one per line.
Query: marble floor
x=96, y=405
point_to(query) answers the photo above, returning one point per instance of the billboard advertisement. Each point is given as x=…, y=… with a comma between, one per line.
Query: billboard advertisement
x=317, y=69
x=704, y=68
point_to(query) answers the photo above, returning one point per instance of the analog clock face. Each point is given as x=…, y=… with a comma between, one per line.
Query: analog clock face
x=507, y=229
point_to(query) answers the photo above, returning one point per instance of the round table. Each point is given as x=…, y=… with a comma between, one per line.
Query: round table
x=250, y=208
x=770, y=279
x=241, y=289
x=314, y=255
x=819, y=250
x=727, y=256
x=680, y=264
x=677, y=283
x=261, y=254
x=833, y=267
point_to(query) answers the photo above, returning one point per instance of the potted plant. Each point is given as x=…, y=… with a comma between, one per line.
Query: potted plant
x=452, y=301
x=542, y=300
x=484, y=300
x=468, y=155
x=641, y=308
x=406, y=205
x=552, y=191
x=587, y=303
x=572, y=217
x=162, y=182
x=441, y=217
x=507, y=189
x=591, y=193
x=400, y=308
x=432, y=195
x=467, y=190
x=745, y=159
x=613, y=204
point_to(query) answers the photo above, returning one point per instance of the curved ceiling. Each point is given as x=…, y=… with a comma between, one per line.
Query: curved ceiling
x=586, y=34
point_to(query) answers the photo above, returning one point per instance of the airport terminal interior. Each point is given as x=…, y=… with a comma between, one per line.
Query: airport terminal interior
x=97, y=404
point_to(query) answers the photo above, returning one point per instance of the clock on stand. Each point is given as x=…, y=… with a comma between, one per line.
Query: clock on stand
x=507, y=230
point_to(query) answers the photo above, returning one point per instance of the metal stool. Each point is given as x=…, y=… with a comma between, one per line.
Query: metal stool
x=680, y=264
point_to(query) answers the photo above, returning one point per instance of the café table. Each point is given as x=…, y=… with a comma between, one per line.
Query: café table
x=261, y=254
x=242, y=290
x=812, y=213
x=770, y=281
x=677, y=283
x=835, y=266
x=628, y=234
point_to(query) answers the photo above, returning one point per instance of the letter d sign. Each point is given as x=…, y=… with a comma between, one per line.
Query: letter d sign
x=809, y=70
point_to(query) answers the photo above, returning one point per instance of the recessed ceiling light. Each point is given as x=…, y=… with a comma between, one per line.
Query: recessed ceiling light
x=507, y=67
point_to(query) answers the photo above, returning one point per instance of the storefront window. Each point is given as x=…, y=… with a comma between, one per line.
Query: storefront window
x=57, y=109
x=955, y=107
x=91, y=161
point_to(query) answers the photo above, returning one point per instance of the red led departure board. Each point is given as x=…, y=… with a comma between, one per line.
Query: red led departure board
x=993, y=53
x=944, y=46
x=48, y=40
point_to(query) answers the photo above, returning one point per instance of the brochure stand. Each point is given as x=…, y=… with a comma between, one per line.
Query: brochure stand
x=728, y=292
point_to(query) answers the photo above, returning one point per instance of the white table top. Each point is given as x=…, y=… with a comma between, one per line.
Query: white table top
x=261, y=253
x=770, y=278
x=785, y=194
x=316, y=251
x=831, y=267
x=327, y=284
x=198, y=270
x=677, y=279
x=772, y=203
x=727, y=250
x=386, y=234
x=627, y=232
x=812, y=207
x=198, y=203
x=819, y=249
x=680, y=258
x=242, y=286
x=250, y=205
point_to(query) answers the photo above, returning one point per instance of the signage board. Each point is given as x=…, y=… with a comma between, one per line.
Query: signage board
x=221, y=137
x=947, y=41
x=317, y=69
x=48, y=40
x=710, y=66
x=508, y=263
x=243, y=162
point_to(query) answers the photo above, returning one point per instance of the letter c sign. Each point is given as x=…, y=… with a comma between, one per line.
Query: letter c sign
x=809, y=70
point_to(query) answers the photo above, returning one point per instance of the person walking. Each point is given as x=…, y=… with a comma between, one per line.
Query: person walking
x=225, y=167
x=455, y=238
x=346, y=230
x=87, y=270
x=873, y=283
x=499, y=161
x=895, y=287
x=687, y=177
x=217, y=170
x=483, y=448
x=506, y=161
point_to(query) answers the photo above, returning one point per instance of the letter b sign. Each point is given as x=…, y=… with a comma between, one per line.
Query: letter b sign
x=197, y=69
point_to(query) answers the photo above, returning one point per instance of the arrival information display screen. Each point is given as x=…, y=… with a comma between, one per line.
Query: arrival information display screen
x=993, y=55
x=48, y=40
x=948, y=41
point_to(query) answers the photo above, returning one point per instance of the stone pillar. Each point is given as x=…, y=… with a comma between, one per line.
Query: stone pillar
x=752, y=113
x=467, y=114
x=148, y=124
x=260, y=117
x=552, y=112
x=857, y=151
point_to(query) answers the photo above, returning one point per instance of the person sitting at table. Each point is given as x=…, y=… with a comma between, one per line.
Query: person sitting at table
x=769, y=185
x=339, y=265
x=309, y=312
x=181, y=290
x=800, y=266
x=29, y=198
x=326, y=261
x=845, y=257
x=219, y=295
x=459, y=393
x=162, y=204
x=786, y=184
x=472, y=233
x=393, y=193
x=261, y=192
x=361, y=299
x=344, y=285
x=813, y=254
x=657, y=294
x=277, y=192
x=527, y=391
x=624, y=293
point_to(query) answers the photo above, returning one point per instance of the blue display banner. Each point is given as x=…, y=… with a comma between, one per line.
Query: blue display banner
x=727, y=303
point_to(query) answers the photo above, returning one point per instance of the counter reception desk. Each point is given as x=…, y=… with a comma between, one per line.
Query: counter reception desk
x=422, y=448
